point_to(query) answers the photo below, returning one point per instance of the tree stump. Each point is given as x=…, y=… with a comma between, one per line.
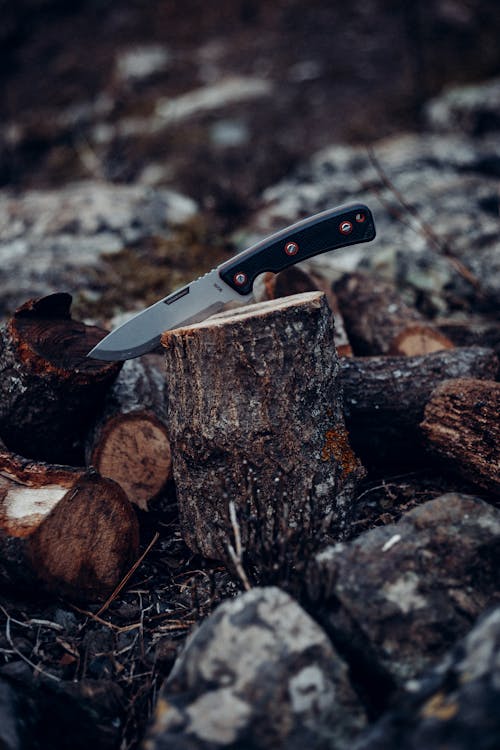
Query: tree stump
x=73, y=531
x=461, y=425
x=295, y=280
x=385, y=397
x=129, y=441
x=49, y=389
x=255, y=419
x=378, y=321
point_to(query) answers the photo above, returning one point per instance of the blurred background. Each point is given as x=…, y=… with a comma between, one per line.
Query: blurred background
x=221, y=99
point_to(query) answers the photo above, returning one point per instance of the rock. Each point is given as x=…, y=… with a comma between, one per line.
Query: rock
x=398, y=596
x=473, y=109
x=455, y=707
x=258, y=673
x=450, y=183
x=50, y=239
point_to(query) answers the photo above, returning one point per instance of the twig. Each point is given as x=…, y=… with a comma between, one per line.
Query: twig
x=127, y=576
x=237, y=554
x=34, y=666
x=438, y=244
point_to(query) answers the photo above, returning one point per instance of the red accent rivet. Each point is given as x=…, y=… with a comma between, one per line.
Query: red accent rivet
x=291, y=248
x=345, y=227
x=360, y=218
x=240, y=278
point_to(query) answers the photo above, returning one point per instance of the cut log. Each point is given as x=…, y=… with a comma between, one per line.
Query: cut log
x=378, y=321
x=73, y=531
x=294, y=280
x=384, y=398
x=471, y=331
x=129, y=441
x=255, y=418
x=461, y=425
x=49, y=389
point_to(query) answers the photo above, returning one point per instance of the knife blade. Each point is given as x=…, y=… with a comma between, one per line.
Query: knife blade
x=232, y=281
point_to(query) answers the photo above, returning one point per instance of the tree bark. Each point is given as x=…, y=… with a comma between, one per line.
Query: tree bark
x=378, y=321
x=384, y=397
x=472, y=330
x=461, y=425
x=129, y=441
x=70, y=530
x=255, y=418
x=294, y=280
x=49, y=389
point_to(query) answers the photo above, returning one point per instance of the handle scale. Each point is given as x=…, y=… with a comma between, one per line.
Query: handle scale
x=329, y=230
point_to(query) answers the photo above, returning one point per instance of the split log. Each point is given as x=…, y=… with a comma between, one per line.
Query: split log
x=255, y=418
x=129, y=441
x=49, y=389
x=294, y=280
x=385, y=397
x=461, y=425
x=73, y=531
x=378, y=321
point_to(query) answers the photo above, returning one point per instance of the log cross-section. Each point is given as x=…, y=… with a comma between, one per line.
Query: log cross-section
x=49, y=389
x=255, y=418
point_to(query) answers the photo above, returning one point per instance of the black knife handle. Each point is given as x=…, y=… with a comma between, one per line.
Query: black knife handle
x=329, y=230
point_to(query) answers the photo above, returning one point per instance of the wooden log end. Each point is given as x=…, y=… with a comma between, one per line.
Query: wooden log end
x=134, y=450
x=419, y=339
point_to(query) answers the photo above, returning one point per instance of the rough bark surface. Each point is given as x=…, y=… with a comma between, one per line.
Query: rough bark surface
x=395, y=598
x=71, y=530
x=259, y=673
x=295, y=280
x=49, y=389
x=455, y=706
x=255, y=418
x=378, y=321
x=461, y=424
x=384, y=397
x=129, y=441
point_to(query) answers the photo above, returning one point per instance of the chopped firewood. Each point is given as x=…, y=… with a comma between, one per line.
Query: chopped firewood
x=378, y=321
x=461, y=425
x=384, y=397
x=70, y=529
x=255, y=419
x=472, y=330
x=129, y=441
x=49, y=390
x=294, y=280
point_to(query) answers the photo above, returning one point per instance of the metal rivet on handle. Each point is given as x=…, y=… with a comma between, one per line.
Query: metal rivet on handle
x=240, y=278
x=360, y=218
x=291, y=248
x=345, y=227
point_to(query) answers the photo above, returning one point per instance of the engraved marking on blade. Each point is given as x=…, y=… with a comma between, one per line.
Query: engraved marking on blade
x=219, y=288
x=179, y=295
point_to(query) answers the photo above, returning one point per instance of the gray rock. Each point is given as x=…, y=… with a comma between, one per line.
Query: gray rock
x=473, y=109
x=454, y=707
x=258, y=673
x=451, y=184
x=49, y=239
x=398, y=596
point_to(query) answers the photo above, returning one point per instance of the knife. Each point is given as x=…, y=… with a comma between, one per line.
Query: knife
x=232, y=281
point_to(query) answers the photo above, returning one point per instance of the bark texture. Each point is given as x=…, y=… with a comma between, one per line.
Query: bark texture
x=255, y=418
x=129, y=441
x=385, y=397
x=49, y=389
x=378, y=321
x=73, y=531
x=461, y=424
x=294, y=280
